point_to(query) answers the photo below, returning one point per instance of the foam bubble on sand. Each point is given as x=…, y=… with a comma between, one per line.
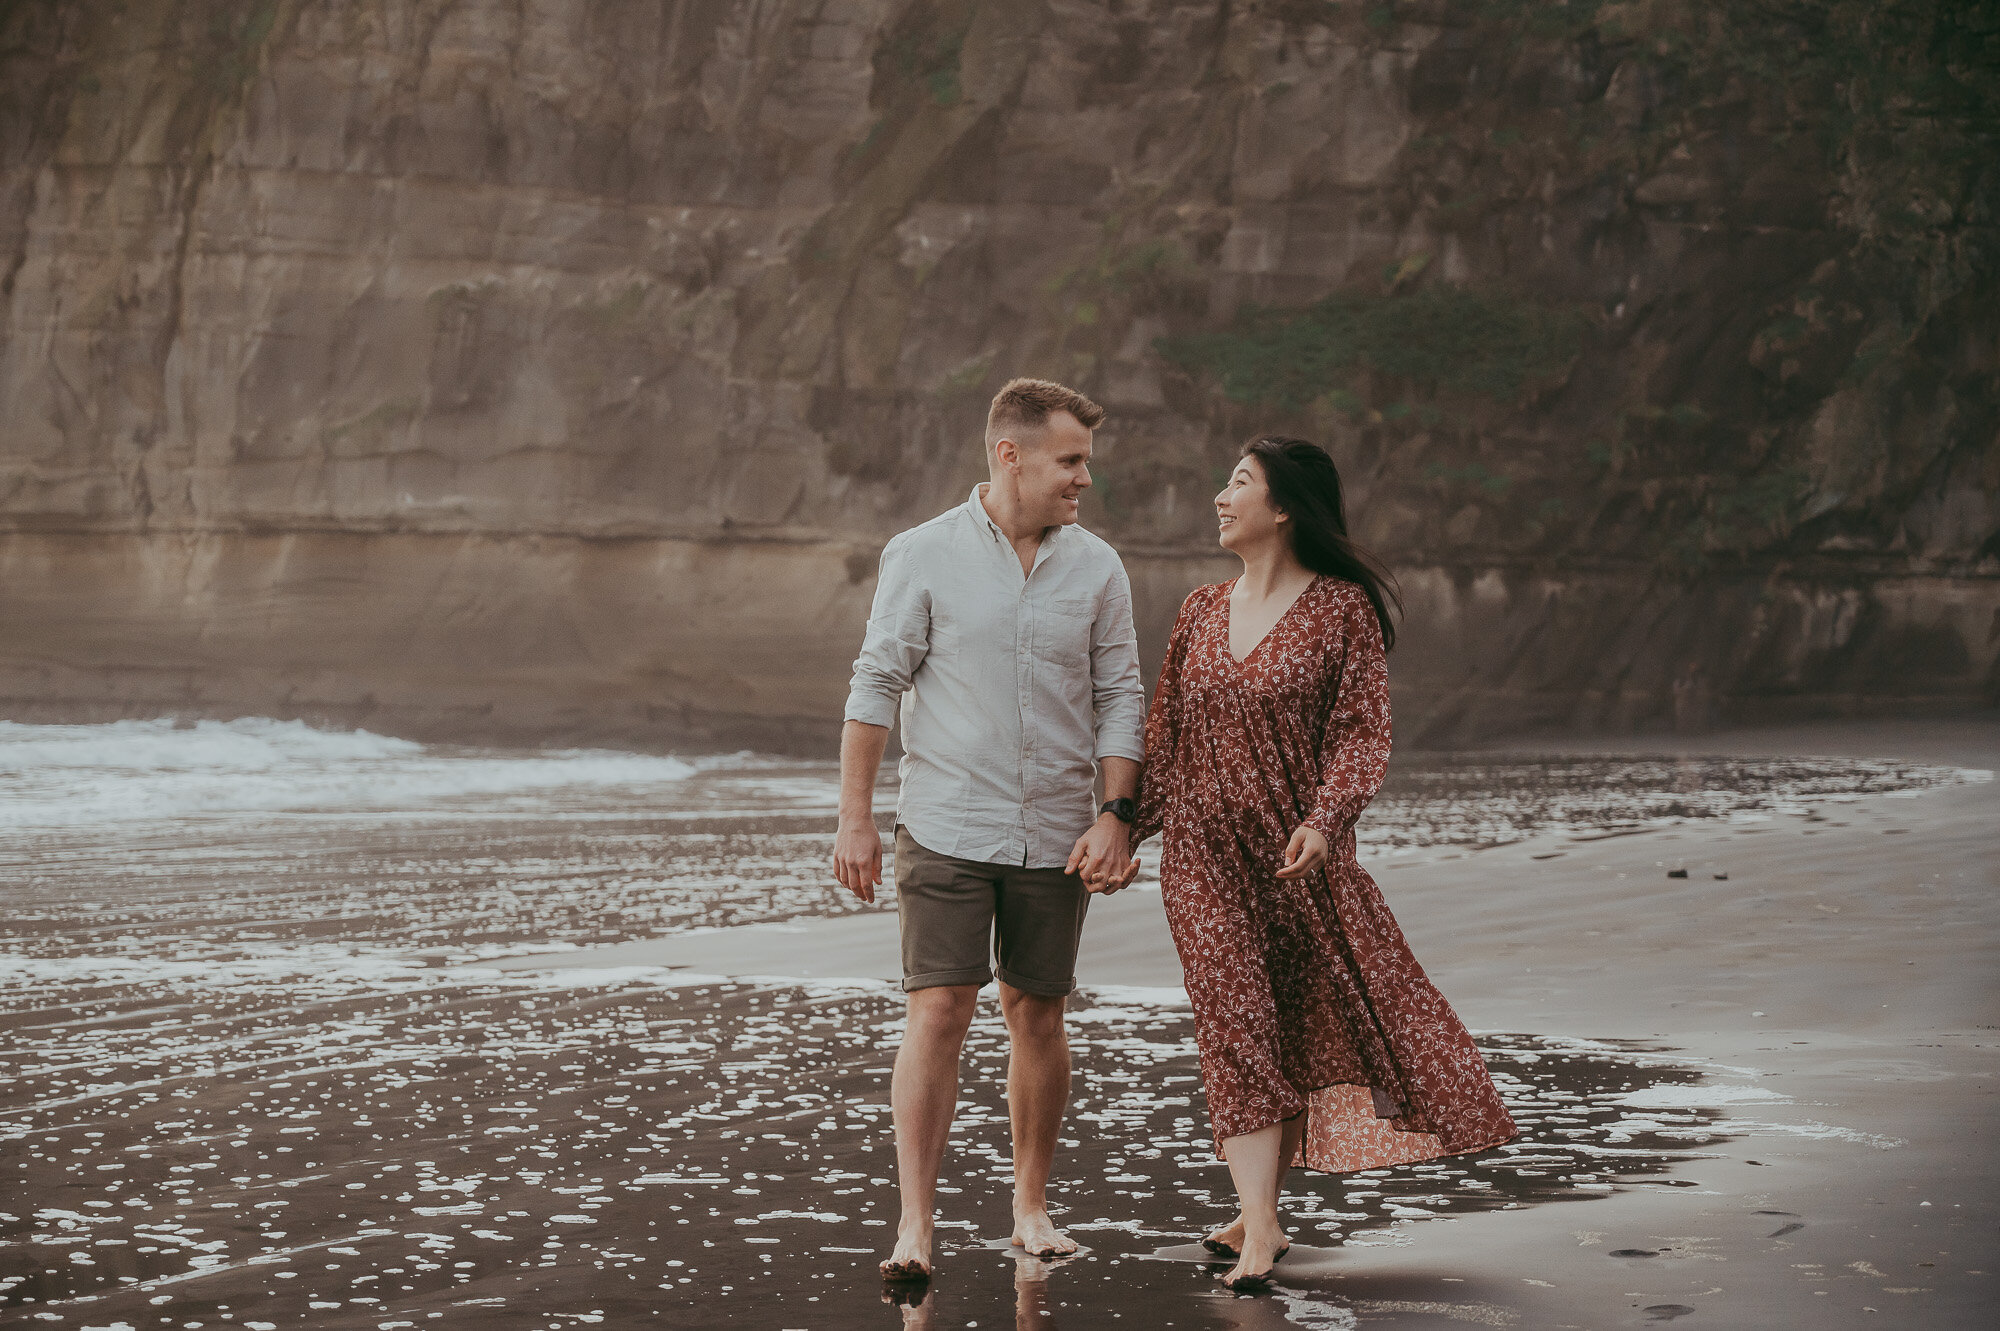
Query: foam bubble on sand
x=126, y=771
x=1479, y=801
x=830, y=986
x=1643, y=1057
x=1125, y=1000
x=1819, y=1132
x=1714, y=1098
x=1699, y=1097
x=843, y=987
x=324, y=962
x=558, y=976
x=1302, y=1310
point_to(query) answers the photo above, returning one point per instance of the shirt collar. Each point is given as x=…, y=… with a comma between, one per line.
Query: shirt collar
x=977, y=506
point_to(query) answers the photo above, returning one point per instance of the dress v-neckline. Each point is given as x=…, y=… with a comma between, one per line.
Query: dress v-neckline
x=1229, y=614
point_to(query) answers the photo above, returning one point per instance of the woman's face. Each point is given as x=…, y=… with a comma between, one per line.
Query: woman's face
x=1244, y=515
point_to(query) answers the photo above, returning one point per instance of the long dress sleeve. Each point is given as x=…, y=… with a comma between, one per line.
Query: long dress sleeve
x=1354, y=751
x=1163, y=723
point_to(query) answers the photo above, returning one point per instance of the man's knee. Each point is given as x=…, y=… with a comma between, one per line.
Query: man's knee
x=943, y=1010
x=1030, y=1015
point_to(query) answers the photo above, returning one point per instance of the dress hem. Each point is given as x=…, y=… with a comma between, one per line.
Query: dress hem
x=1300, y=1162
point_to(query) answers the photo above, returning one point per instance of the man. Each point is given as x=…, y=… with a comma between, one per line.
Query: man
x=1004, y=633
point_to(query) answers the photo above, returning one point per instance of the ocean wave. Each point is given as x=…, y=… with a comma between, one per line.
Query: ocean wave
x=55, y=776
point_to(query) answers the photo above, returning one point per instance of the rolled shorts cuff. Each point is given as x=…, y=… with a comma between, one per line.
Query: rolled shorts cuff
x=938, y=979
x=1045, y=988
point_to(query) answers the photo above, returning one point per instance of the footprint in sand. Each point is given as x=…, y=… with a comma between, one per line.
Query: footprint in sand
x=1792, y=1228
x=1666, y=1312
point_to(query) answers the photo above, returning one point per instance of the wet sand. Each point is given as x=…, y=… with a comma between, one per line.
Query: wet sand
x=1847, y=964
x=1834, y=972
x=330, y=1074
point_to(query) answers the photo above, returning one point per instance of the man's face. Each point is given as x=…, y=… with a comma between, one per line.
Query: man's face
x=1054, y=470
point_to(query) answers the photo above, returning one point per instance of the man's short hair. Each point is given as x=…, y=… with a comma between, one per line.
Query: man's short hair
x=1027, y=404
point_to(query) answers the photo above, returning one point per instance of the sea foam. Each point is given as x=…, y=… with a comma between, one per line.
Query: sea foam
x=56, y=776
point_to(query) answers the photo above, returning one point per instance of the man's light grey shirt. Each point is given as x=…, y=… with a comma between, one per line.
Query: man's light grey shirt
x=1010, y=687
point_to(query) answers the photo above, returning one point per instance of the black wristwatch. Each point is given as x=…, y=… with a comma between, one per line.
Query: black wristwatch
x=1125, y=810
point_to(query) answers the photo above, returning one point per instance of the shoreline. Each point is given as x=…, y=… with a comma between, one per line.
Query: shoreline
x=694, y=732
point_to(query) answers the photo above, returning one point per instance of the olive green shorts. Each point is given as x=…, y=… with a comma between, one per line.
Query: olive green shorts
x=958, y=916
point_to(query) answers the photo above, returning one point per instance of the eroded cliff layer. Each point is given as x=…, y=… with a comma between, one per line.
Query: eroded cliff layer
x=558, y=369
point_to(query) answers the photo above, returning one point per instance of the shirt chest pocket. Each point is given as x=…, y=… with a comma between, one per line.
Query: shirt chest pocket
x=1062, y=630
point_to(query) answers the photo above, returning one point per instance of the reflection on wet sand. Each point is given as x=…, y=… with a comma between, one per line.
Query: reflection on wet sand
x=239, y=1088
x=1031, y=1294
x=391, y=1144
x=1031, y=1298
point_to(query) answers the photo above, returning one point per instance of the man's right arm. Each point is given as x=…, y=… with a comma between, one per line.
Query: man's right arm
x=898, y=639
x=857, y=847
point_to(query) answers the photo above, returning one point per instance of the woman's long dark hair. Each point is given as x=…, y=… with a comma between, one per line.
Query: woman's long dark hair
x=1305, y=487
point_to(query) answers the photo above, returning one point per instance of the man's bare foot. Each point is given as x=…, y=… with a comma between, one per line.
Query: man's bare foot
x=911, y=1257
x=1260, y=1252
x=1034, y=1231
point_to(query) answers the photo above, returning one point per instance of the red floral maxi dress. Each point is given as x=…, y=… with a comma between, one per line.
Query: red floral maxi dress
x=1305, y=995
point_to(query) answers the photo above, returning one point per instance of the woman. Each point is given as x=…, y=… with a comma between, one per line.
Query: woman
x=1321, y=1041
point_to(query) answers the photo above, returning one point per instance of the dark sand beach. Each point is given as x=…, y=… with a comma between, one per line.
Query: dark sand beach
x=598, y=1045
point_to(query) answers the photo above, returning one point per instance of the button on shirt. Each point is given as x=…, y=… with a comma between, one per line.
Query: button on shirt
x=1011, y=687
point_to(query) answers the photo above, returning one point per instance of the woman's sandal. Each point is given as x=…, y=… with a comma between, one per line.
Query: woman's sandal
x=1221, y=1249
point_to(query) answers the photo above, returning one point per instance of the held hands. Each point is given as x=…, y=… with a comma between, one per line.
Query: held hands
x=1103, y=856
x=1304, y=853
x=857, y=858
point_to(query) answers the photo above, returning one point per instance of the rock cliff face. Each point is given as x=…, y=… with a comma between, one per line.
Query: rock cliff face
x=558, y=368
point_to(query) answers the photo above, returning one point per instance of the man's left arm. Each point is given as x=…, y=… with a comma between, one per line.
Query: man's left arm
x=1118, y=700
x=1103, y=855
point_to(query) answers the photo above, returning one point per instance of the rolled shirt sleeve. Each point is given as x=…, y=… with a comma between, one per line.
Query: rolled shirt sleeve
x=1117, y=696
x=896, y=643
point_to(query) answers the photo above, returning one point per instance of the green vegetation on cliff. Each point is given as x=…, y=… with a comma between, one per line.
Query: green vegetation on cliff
x=1437, y=339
